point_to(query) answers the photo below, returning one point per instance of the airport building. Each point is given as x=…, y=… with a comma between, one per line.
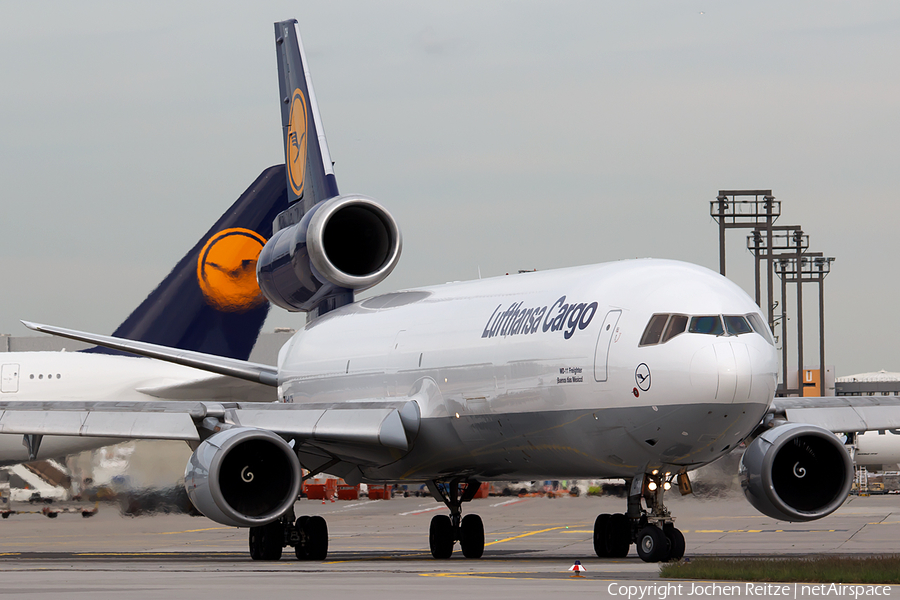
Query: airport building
x=880, y=383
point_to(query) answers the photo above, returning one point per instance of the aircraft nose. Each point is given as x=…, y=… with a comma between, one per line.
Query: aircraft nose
x=727, y=371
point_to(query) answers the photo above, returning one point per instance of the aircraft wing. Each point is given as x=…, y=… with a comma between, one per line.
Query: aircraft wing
x=241, y=369
x=350, y=429
x=213, y=387
x=842, y=414
x=379, y=422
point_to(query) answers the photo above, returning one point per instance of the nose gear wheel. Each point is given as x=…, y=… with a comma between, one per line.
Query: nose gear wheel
x=652, y=530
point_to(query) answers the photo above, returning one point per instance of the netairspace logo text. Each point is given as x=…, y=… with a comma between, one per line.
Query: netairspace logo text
x=661, y=591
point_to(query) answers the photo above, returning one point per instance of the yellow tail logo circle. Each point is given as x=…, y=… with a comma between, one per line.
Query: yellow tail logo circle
x=226, y=270
x=296, y=143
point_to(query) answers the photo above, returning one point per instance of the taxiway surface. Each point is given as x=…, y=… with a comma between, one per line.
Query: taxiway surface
x=379, y=549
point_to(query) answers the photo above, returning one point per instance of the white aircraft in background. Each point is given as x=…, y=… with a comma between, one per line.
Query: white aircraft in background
x=642, y=370
x=209, y=303
x=878, y=450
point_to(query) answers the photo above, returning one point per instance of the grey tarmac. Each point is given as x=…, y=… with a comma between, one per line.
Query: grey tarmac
x=379, y=549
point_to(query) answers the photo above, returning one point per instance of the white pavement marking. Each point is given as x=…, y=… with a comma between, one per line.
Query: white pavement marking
x=424, y=510
x=513, y=501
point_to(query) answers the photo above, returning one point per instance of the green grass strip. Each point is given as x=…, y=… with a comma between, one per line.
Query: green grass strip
x=820, y=569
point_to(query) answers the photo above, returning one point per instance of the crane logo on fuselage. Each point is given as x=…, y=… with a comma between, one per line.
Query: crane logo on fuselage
x=559, y=316
x=226, y=270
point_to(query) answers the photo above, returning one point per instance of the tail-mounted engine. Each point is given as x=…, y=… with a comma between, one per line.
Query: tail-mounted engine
x=796, y=472
x=243, y=477
x=345, y=243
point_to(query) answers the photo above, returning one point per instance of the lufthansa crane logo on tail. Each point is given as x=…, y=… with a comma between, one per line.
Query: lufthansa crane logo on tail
x=296, y=143
x=226, y=270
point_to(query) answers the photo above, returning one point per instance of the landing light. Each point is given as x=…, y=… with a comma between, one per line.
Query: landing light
x=651, y=486
x=667, y=486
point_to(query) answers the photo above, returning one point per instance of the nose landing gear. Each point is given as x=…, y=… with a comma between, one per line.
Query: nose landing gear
x=446, y=530
x=652, y=530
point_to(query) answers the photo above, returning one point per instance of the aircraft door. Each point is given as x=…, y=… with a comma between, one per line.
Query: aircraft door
x=601, y=353
x=9, y=378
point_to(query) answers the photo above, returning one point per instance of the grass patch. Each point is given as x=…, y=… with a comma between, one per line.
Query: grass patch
x=821, y=569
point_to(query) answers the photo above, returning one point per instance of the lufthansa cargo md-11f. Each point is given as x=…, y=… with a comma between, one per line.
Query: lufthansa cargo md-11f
x=642, y=370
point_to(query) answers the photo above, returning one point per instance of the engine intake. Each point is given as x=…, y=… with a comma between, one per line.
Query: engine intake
x=243, y=477
x=796, y=472
x=345, y=243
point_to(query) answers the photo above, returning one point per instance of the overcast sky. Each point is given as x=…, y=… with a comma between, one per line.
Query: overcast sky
x=501, y=135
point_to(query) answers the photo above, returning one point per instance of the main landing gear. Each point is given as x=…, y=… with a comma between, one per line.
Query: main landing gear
x=308, y=536
x=446, y=530
x=652, y=530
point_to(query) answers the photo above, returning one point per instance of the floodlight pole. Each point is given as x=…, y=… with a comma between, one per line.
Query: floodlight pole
x=798, y=238
x=809, y=267
x=761, y=212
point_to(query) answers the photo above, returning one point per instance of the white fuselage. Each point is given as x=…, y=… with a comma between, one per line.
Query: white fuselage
x=543, y=374
x=81, y=377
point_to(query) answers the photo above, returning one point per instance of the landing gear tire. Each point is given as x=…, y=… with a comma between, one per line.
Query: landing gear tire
x=440, y=537
x=315, y=536
x=652, y=545
x=618, y=538
x=300, y=549
x=471, y=536
x=601, y=536
x=676, y=542
x=267, y=541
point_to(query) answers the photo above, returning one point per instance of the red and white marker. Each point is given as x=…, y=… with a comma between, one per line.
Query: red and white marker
x=578, y=569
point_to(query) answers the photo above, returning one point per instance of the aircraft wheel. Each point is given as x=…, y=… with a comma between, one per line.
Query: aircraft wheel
x=316, y=546
x=676, y=542
x=471, y=536
x=440, y=536
x=300, y=549
x=652, y=545
x=267, y=541
x=601, y=536
x=618, y=539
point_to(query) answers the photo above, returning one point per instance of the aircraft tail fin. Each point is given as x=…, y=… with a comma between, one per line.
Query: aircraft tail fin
x=210, y=302
x=308, y=167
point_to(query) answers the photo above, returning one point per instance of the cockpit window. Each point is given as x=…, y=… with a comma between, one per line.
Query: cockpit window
x=709, y=325
x=654, y=330
x=677, y=324
x=736, y=325
x=760, y=327
x=664, y=327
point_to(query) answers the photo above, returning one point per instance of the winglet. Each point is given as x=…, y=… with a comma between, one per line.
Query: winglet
x=310, y=175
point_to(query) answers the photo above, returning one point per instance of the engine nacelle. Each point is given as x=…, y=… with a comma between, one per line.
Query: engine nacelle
x=796, y=472
x=345, y=243
x=243, y=477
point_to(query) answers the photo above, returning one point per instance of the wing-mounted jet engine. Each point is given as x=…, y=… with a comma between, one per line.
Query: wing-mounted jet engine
x=796, y=472
x=345, y=243
x=243, y=477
